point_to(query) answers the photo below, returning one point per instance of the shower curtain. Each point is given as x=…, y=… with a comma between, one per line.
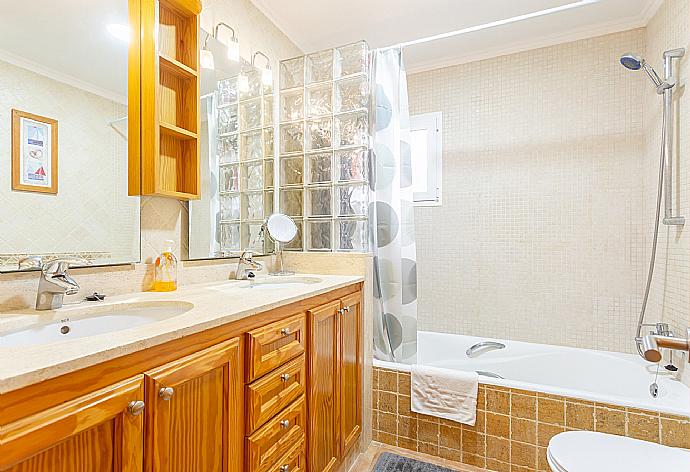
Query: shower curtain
x=391, y=213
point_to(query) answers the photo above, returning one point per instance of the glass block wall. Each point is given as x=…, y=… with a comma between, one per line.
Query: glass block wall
x=244, y=113
x=324, y=148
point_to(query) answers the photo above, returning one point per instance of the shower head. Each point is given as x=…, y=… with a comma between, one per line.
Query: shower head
x=634, y=62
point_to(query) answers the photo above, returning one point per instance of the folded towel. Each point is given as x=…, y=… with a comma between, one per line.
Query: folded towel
x=446, y=393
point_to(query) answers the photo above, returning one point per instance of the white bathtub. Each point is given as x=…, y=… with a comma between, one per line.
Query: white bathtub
x=600, y=376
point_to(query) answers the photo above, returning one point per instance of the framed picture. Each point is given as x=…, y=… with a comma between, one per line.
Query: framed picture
x=34, y=153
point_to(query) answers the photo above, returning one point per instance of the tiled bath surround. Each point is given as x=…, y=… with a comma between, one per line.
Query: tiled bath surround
x=513, y=426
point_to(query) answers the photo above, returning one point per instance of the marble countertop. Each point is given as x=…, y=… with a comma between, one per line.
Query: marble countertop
x=214, y=304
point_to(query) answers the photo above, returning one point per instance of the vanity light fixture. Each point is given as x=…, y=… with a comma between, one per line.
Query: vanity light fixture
x=206, y=56
x=266, y=73
x=233, y=45
x=120, y=31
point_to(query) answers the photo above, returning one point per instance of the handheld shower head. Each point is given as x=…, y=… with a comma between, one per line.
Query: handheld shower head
x=634, y=62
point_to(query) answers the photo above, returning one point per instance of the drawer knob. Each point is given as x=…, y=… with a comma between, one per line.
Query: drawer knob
x=284, y=468
x=285, y=377
x=347, y=309
x=285, y=331
x=285, y=424
x=341, y=311
x=166, y=393
x=135, y=407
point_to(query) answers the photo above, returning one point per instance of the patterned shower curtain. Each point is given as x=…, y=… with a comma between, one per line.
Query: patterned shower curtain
x=392, y=213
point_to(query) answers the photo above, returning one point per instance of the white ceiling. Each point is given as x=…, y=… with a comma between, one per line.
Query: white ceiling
x=320, y=24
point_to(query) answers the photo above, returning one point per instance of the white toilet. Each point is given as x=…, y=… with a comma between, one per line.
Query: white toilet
x=586, y=451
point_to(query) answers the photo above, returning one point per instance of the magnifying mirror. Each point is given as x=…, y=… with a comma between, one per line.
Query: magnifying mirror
x=282, y=230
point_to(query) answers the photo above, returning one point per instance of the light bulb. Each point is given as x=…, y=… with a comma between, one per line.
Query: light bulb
x=267, y=76
x=243, y=83
x=234, y=50
x=206, y=59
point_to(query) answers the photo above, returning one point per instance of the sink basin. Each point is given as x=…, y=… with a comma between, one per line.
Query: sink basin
x=278, y=282
x=103, y=319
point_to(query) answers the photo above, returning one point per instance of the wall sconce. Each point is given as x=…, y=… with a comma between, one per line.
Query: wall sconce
x=266, y=73
x=206, y=56
x=233, y=45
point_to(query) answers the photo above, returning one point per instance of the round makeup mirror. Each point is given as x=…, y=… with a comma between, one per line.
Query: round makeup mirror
x=282, y=230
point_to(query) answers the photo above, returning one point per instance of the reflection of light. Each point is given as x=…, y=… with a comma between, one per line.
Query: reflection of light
x=243, y=83
x=206, y=59
x=121, y=32
x=267, y=76
x=234, y=50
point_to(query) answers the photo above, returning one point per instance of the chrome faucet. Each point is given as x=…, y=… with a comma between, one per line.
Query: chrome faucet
x=55, y=283
x=482, y=347
x=246, y=266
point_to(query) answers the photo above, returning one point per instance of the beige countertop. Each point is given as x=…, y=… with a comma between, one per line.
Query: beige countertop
x=212, y=304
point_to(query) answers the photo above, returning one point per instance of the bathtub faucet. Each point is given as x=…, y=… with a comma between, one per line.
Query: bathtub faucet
x=483, y=347
x=653, y=343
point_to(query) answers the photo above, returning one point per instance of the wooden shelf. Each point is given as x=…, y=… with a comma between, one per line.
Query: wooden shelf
x=177, y=195
x=176, y=67
x=176, y=131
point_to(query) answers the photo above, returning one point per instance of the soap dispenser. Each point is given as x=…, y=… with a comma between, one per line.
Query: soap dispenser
x=166, y=270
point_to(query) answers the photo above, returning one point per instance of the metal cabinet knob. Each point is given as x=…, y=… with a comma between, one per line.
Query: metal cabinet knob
x=285, y=331
x=135, y=407
x=341, y=311
x=166, y=393
x=347, y=309
x=285, y=377
x=285, y=424
x=284, y=468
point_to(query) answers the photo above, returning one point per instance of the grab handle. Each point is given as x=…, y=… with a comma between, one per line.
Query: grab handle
x=482, y=347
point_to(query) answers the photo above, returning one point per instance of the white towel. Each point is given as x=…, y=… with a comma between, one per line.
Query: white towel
x=446, y=393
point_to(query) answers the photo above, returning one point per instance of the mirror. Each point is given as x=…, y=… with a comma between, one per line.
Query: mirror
x=63, y=134
x=236, y=144
x=281, y=228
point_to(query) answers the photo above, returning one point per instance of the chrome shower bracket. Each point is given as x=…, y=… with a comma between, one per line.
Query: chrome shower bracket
x=670, y=82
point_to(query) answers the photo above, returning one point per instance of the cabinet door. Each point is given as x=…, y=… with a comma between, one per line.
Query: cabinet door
x=195, y=417
x=350, y=371
x=101, y=431
x=323, y=379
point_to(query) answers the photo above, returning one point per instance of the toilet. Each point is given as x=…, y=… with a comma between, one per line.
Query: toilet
x=586, y=451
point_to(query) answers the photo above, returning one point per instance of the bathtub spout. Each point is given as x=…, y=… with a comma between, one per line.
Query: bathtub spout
x=482, y=347
x=653, y=343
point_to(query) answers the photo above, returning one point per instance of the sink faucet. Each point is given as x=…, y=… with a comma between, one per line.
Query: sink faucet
x=55, y=283
x=246, y=266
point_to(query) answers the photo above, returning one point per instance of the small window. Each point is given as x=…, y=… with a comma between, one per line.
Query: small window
x=425, y=131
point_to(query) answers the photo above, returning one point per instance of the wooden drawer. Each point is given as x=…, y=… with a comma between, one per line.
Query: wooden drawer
x=294, y=461
x=270, y=394
x=274, y=344
x=277, y=437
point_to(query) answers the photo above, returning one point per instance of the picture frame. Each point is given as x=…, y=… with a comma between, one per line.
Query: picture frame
x=34, y=153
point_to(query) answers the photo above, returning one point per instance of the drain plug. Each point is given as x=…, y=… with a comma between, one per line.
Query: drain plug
x=64, y=329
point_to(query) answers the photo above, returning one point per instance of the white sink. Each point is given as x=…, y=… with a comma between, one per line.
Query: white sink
x=101, y=320
x=278, y=282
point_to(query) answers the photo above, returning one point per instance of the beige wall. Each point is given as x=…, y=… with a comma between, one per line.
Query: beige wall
x=540, y=236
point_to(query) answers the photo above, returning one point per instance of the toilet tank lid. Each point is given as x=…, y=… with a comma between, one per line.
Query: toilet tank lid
x=586, y=451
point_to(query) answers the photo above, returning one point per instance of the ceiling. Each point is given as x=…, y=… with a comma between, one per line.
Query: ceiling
x=67, y=40
x=319, y=24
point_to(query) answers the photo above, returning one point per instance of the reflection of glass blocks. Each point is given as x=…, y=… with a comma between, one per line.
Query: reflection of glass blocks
x=291, y=201
x=351, y=235
x=291, y=169
x=227, y=149
x=268, y=142
x=229, y=237
x=253, y=176
x=351, y=164
x=268, y=110
x=319, y=66
x=227, y=120
x=292, y=73
x=251, y=146
x=319, y=201
x=319, y=167
x=253, y=206
x=252, y=237
x=229, y=207
x=352, y=129
x=319, y=133
x=351, y=200
x=250, y=114
x=227, y=91
x=292, y=105
x=229, y=178
x=268, y=203
x=268, y=173
x=351, y=59
x=320, y=234
x=319, y=100
x=297, y=243
x=252, y=89
x=292, y=138
x=351, y=94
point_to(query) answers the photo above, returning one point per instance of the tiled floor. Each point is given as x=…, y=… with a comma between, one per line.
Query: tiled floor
x=366, y=461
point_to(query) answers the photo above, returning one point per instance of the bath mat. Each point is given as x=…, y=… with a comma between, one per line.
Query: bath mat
x=394, y=463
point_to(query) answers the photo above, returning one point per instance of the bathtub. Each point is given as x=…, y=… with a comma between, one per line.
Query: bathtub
x=599, y=376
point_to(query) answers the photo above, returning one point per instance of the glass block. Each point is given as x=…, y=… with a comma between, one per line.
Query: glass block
x=230, y=207
x=291, y=170
x=268, y=173
x=351, y=130
x=297, y=243
x=292, y=138
x=351, y=200
x=319, y=100
x=319, y=167
x=292, y=105
x=251, y=86
x=351, y=94
x=319, y=235
x=229, y=178
x=230, y=237
x=291, y=201
x=350, y=59
x=319, y=66
x=227, y=91
x=319, y=133
x=268, y=203
x=351, y=235
x=268, y=110
x=269, y=145
x=227, y=120
x=253, y=206
x=252, y=236
x=351, y=165
x=251, y=146
x=292, y=73
x=250, y=114
x=319, y=201
x=227, y=149
x=253, y=176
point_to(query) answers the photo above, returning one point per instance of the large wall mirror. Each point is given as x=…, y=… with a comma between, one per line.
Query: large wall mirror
x=63, y=133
